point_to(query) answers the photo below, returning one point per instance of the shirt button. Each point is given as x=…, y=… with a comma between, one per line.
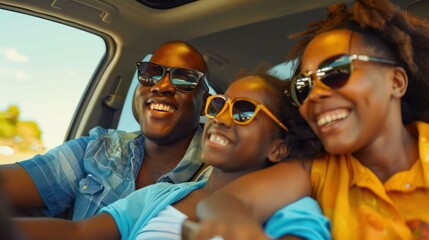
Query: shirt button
x=407, y=185
x=84, y=187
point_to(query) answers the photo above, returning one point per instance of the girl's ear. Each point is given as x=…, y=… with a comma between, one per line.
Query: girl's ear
x=278, y=151
x=400, y=82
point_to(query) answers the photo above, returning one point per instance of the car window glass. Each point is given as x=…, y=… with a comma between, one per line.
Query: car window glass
x=44, y=70
x=282, y=70
x=127, y=122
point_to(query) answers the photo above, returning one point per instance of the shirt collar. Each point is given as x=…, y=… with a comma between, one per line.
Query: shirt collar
x=417, y=176
x=190, y=163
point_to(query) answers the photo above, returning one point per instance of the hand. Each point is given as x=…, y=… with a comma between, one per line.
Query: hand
x=189, y=228
x=221, y=230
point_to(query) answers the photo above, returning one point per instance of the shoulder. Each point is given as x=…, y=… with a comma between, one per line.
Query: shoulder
x=113, y=150
x=302, y=218
x=159, y=191
x=113, y=139
x=113, y=133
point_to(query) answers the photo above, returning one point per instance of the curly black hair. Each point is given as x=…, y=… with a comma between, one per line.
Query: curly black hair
x=404, y=36
x=300, y=139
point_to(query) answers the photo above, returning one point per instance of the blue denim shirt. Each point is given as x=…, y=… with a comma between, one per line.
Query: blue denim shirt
x=91, y=172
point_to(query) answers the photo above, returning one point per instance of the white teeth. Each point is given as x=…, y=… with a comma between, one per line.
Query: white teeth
x=218, y=139
x=330, y=117
x=161, y=107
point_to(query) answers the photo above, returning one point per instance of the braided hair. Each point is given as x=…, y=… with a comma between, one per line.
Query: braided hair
x=404, y=36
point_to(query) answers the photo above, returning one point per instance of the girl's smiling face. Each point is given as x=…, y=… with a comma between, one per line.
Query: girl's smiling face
x=241, y=148
x=353, y=116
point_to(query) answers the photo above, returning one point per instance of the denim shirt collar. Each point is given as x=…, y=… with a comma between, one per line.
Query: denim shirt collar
x=184, y=171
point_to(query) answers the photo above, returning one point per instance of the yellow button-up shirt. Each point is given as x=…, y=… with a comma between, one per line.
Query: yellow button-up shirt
x=360, y=206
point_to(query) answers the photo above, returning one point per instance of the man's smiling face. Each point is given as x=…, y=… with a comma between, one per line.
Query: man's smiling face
x=164, y=113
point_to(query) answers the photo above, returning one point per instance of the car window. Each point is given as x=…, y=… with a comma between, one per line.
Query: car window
x=127, y=122
x=45, y=68
x=283, y=70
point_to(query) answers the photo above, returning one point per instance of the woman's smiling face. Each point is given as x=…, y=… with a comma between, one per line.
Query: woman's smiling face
x=348, y=118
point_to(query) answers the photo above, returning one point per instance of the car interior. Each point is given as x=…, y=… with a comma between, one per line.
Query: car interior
x=231, y=35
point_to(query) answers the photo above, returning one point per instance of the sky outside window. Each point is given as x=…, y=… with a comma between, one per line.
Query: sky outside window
x=44, y=70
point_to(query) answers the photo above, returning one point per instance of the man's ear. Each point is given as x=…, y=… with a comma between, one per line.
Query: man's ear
x=203, y=107
x=278, y=151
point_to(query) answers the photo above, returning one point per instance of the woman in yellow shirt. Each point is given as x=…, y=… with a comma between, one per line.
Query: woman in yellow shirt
x=363, y=75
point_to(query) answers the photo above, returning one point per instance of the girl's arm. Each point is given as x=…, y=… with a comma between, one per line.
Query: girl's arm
x=101, y=226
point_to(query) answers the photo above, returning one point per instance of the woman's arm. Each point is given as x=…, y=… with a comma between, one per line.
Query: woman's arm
x=101, y=226
x=260, y=193
x=243, y=205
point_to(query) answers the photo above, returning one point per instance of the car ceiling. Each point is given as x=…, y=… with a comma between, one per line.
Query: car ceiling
x=231, y=34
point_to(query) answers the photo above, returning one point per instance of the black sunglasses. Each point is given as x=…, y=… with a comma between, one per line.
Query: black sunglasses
x=242, y=110
x=333, y=72
x=183, y=79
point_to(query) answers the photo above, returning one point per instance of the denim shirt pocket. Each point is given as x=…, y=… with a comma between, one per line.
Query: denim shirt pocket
x=88, y=197
x=90, y=185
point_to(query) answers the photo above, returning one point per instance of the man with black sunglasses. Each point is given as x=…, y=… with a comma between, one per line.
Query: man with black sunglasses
x=91, y=172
